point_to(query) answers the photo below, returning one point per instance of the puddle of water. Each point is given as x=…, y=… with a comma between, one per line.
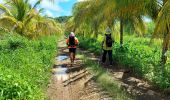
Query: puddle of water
x=62, y=57
x=60, y=73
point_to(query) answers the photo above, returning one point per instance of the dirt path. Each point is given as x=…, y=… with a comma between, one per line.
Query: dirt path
x=135, y=86
x=76, y=83
x=72, y=82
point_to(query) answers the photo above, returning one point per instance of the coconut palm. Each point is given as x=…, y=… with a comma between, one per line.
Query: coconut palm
x=162, y=28
x=97, y=12
x=20, y=16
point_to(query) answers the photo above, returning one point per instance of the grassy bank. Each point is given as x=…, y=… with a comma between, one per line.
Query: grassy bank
x=25, y=66
x=138, y=55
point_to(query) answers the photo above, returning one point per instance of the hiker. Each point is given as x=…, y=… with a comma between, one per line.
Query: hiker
x=107, y=44
x=72, y=43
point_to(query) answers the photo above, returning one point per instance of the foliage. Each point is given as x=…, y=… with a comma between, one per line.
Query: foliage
x=129, y=13
x=25, y=66
x=138, y=55
x=150, y=29
x=62, y=19
x=21, y=17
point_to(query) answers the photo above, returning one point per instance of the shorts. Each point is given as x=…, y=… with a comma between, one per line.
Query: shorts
x=73, y=50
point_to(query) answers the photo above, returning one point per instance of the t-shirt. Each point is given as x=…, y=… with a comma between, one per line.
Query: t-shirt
x=104, y=44
x=76, y=42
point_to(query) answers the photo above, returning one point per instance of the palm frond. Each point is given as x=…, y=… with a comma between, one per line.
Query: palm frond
x=5, y=9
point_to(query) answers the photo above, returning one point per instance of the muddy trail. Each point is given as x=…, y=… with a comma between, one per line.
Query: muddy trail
x=73, y=82
x=76, y=83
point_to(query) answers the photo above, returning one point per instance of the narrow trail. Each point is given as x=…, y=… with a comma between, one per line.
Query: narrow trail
x=136, y=87
x=76, y=83
x=73, y=82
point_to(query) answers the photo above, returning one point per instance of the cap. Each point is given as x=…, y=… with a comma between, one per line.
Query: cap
x=108, y=30
x=72, y=34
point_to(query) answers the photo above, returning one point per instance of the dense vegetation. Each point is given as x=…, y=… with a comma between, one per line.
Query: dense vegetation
x=25, y=19
x=92, y=16
x=138, y=55
x=139, y=45
x=27, y=47
x=25, y=66
x=62, y=19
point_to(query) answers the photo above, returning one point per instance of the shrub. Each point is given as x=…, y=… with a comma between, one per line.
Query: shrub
x=25, y=66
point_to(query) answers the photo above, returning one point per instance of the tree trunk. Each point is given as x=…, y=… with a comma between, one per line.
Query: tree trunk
x=165, y=46
x=96, y=33
x=83, y=34
x=121, y=32
x=165, y=49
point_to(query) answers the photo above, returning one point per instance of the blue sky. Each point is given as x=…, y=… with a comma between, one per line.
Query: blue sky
x=58, y=8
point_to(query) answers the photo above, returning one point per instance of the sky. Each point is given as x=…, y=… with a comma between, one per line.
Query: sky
x=56, y=9
x=59, y=7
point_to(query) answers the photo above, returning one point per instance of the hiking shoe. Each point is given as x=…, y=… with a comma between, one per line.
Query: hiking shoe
x=102, y=63
x=110, y=65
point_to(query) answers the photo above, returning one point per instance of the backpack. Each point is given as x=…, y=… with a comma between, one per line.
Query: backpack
x=108, y=40
x=71, y=41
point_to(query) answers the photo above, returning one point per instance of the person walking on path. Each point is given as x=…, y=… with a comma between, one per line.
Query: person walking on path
x=107, y=44
x=72, y=43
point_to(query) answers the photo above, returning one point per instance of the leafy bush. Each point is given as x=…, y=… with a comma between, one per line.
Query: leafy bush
x=25, y=66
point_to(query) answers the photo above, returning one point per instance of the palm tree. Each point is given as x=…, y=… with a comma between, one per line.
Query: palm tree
x=97, y=12
x=162, y=28
x=25, y=19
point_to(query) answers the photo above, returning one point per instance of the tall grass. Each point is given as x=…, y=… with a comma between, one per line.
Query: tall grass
x=25, y=66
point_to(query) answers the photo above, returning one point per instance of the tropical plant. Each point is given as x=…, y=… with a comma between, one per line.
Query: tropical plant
x=99, y=12
x=20, y=16
x=162, y=28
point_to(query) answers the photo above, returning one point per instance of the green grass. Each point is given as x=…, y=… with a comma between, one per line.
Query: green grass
x=137, y=54
x=106, y=81
x=25, y=66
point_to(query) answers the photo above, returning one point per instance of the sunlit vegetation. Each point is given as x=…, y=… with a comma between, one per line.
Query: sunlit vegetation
x=92, y=16
x=27, y=47
x=140, y=45
x=22, y=17
x=25, y=66
x=28, y=42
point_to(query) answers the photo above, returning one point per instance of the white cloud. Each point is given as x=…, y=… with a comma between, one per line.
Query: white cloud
x=1, y=1
x=48, y=13
x=80, y=0
x=50, y=6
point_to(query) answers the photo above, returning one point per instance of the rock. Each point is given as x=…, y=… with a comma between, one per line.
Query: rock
x=150, y=92
x=133, y=80
x=118, y=75
x=140, y=84
x=125, y=86
x=130, y=89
